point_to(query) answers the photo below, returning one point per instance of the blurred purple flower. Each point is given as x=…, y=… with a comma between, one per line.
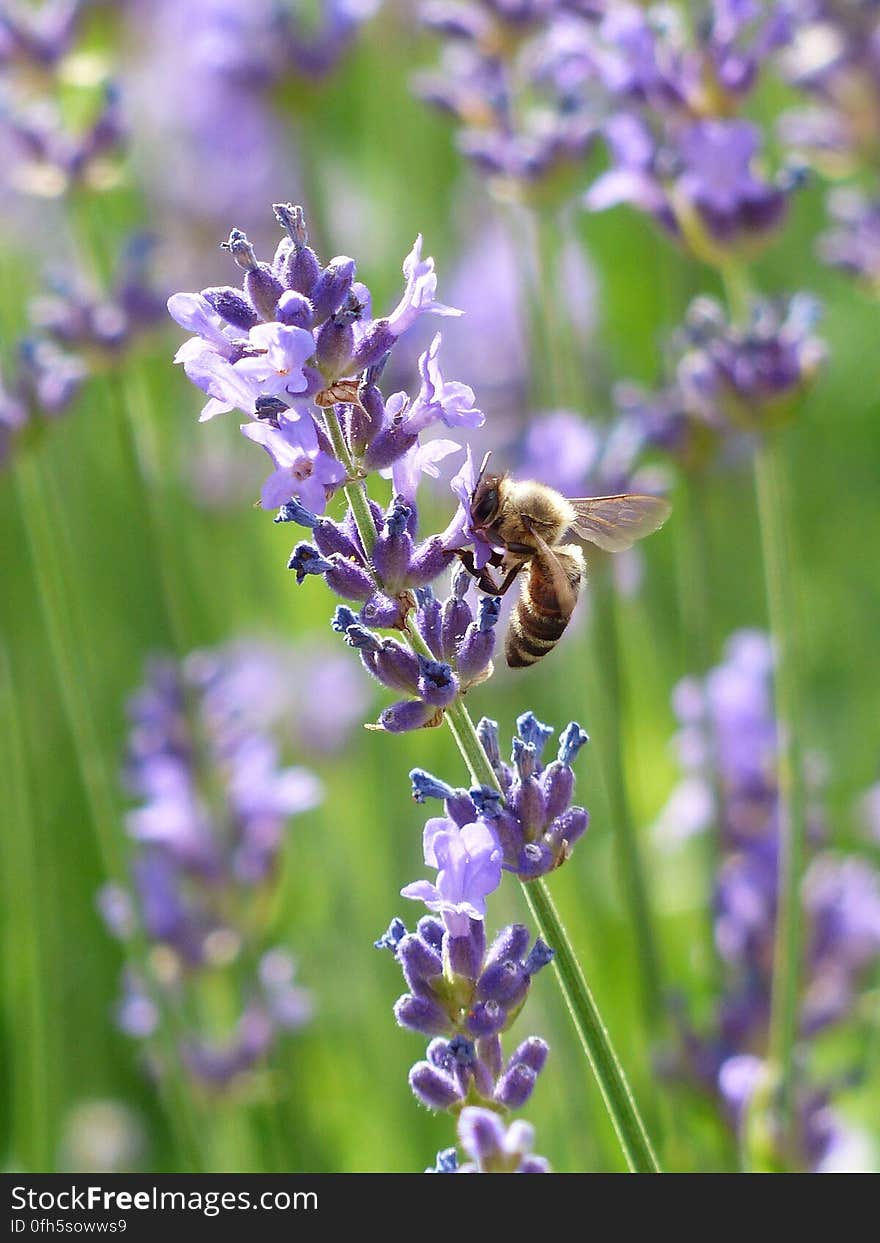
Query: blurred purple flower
x=214, y=806
x=727, y=746
x=496, y=1148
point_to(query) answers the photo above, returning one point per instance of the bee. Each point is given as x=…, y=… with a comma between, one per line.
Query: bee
x=526, y=523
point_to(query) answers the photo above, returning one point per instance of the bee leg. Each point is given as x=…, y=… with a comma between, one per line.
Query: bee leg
x=483, y=578
x=509, y=579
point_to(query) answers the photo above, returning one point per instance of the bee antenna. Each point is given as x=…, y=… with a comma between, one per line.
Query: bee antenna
x=483, y=465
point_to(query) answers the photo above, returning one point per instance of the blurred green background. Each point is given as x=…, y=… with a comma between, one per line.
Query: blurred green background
x=374, y=164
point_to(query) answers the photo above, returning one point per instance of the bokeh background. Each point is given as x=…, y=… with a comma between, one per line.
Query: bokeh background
x=130, y=529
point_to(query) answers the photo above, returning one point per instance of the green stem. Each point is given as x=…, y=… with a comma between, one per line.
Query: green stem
x=28, y=893
x=355, y=491
x=64, y=628
x=696, y=625
x=773, y=509
x=594, y=1037
x=634, y=886
x=554, y=369
x=737, y=290
x=132, y=415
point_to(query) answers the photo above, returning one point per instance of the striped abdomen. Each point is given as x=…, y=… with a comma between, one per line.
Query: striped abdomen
x=544, y=608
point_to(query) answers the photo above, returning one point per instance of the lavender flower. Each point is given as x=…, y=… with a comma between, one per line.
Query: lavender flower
x=36, y=40
x=315, y=50
x=44, y=386
x=295, y=331
x=533, y=819
x=462, y=644
x=496, y=1149
x=834, y=61
x=307, y=372
x=677, y=152
x=852, y=244
x=465, y=997
x=468, y=862
x=54, y=159
x=728, y=721
x=101, y=324
x=728, y=378
x=207, y=833
x=517, y=81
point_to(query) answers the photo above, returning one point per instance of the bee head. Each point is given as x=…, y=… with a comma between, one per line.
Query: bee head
x=486, y=500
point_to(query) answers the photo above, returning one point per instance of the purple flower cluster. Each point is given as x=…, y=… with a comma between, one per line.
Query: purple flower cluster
x=36, y=40
x=49, y=157
x=516, y=78
x=728, y=377
x=315, y=49
x=461, y=644
x=835, y=60
x=532, y=822
x=299, y=335
x=852, y=243
x=101, y=324
x=727, y=722
x=464, y=996
x=492, y=1147
x=213, y=808
x=45, y=383
x=297, y=349
x=76, y=330
x=678, y=150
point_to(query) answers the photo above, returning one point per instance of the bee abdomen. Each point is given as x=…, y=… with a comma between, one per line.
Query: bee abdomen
x=536, y=624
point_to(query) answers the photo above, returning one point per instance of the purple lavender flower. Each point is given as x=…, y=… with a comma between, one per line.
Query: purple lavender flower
x=494, y=1148
x=52, y=158
x=704, y=190
x=452, y=403
x=45, y=384
x=465, y=996
x=468, y=862
x=533, y=819
x=296, y=330
x=302, y=469
x=36, y=40
x=214, y=802
x=461, y=532
x=834, y=59
x=728, y=378
x=517, y=80
x=852, y=244
x=728, y=723
x=80, y=318
x=315, y=49
x=462, y=643
x=678, y=152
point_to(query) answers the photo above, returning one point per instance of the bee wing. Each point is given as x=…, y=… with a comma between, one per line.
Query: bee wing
x=616, y=522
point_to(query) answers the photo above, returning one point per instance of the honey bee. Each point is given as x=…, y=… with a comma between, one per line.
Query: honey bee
x=526, y=523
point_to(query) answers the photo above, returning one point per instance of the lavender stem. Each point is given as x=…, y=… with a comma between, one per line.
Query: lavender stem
x=773, y=510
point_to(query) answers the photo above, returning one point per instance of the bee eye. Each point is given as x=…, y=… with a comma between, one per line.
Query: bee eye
x=486, y=506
